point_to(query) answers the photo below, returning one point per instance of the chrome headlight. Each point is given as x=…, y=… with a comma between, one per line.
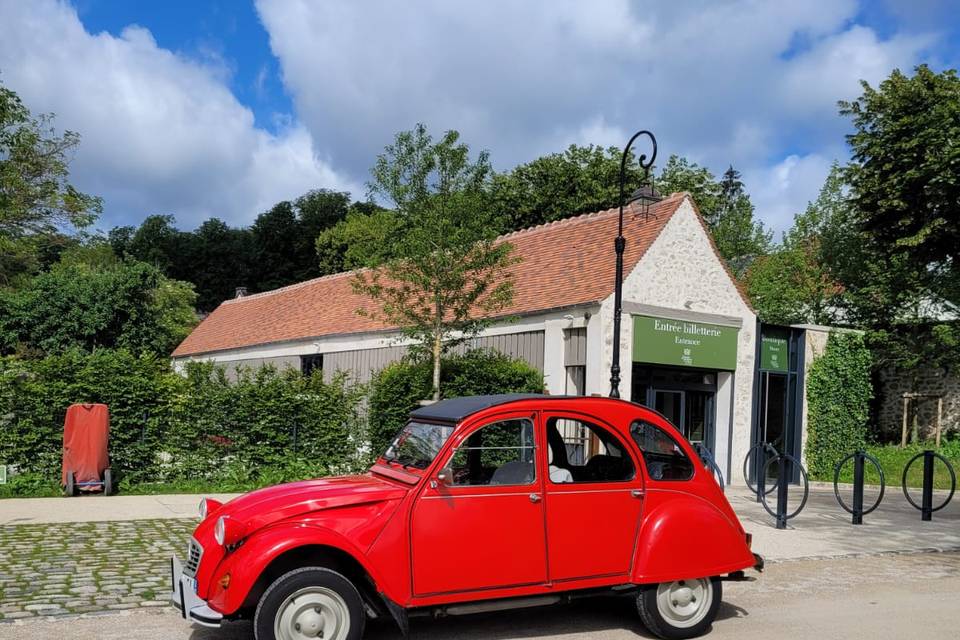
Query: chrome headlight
x=228, y=531
x=220, y=530
x=208, y=506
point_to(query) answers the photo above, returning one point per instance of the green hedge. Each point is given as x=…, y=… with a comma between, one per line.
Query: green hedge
x=399, y=388
x=838, y=400
x=171, y=428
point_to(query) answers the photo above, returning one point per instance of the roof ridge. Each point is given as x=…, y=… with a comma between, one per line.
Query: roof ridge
x=583, y=217
x=295, y=285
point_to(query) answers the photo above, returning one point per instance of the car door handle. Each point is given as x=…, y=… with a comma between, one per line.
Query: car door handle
x=637, y=493
x=534, y=497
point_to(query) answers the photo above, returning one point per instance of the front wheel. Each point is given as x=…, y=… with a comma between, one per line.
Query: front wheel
x=680, y=609
x=312, y=602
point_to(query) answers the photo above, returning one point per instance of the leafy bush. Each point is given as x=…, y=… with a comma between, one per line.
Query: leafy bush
x=399, y=388
x=838, y=397
x=266, y=426
x=894, y=459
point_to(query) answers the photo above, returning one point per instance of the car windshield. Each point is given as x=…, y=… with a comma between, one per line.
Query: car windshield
x=418, y=444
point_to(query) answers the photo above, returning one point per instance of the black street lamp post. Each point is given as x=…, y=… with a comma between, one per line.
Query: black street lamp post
x=646, y=196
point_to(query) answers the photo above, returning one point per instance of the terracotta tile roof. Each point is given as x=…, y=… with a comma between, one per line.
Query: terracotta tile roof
x=564, y=263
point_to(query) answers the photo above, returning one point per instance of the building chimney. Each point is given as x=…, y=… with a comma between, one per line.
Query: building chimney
x=241, y=292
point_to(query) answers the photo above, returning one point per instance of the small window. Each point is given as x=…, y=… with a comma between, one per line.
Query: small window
x=311, y=363
x=664, y=458
x=501, y=453
x=583, y=452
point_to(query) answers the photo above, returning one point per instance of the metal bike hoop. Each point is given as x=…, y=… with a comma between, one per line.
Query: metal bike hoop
x=953, y=481
x=806, y=486
x=766, y=446
x=836, y=482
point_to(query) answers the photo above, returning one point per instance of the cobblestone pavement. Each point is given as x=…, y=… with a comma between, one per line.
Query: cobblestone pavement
x=61, y=570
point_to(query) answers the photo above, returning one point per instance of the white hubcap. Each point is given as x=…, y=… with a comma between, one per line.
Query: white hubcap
x=314, y=612
x=684, y=603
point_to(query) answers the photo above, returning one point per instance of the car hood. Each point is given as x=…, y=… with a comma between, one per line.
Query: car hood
x=263, y=507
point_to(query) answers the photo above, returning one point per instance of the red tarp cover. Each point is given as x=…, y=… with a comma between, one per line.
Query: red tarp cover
x=85, y=433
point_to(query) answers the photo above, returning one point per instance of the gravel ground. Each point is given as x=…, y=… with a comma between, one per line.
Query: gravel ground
x=67, y=569
x=885, y=597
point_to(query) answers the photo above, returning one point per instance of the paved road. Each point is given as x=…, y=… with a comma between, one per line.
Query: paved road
x=879, y=597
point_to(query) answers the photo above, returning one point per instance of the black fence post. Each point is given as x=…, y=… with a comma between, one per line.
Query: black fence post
x=858, y=460
x=782, y=494
x=927, y=504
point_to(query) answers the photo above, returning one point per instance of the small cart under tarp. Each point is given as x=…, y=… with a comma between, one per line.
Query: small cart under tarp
x=86, y=461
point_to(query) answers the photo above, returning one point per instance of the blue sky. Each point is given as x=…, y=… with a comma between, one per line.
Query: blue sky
x=222, y=108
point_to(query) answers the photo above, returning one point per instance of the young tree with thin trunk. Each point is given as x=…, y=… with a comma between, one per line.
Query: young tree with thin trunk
x=448, y=275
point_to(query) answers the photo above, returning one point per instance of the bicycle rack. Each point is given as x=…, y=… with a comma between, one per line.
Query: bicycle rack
x=857, y=511
x=766, y=449
x=926, y=507
x=710, y=463
x=783, y=481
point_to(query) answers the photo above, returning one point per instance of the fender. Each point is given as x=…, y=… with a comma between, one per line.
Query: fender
x=257, y=552
x=685, y=536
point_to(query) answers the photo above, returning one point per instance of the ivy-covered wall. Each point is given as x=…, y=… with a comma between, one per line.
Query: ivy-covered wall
x=839, y=392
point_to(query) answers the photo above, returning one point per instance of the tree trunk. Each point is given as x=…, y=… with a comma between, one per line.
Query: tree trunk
x=437, y=345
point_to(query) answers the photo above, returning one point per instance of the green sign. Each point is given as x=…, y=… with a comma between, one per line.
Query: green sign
x=684, y=343
x=774, y=353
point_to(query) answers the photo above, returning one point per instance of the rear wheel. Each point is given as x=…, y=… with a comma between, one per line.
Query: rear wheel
x=71, y=488
x=309, y=603
x=680, y=609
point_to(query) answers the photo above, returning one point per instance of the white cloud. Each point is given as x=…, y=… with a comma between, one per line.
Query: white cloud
x=783, y=190
x=161, y=133
x=740, y=83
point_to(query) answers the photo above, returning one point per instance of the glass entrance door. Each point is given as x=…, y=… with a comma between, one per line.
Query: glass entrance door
x=692, y=411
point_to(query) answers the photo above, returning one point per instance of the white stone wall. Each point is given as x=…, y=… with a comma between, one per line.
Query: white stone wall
x=682, y=271
x=814, y=344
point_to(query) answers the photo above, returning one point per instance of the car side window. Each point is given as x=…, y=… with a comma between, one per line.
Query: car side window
x=579, y=451
x=500, y=453
x=662, y=454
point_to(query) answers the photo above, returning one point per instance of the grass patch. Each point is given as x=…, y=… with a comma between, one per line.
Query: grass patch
x=893, y=460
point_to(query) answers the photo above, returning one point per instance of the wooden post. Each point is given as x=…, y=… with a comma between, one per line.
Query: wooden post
x=903, y=439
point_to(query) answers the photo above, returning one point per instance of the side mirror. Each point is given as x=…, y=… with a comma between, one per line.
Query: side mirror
x=445, y=477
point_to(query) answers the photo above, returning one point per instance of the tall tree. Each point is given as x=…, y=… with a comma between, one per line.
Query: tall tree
x=582, y=179
x=364, y=239
x=447, y=273
x=679, y=174
x=77, y=304
x=905, y=169
x=740, y=238
x=36, y=196
x=905, y=195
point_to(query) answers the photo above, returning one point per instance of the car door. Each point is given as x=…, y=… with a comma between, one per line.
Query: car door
x=594, y=498
x=479, y=523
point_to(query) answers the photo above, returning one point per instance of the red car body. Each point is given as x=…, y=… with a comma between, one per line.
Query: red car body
x=422, y=543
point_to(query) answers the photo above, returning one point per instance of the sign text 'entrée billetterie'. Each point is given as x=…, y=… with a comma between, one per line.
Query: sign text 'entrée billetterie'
x=684, y=343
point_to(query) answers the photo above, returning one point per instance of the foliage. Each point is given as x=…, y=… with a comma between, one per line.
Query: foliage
x=79, y=305
x=839, y=391
x=679, y=174
x=582, y=179
x=904, y=179
x=725, y=207
x=799, y=282
x=266, y=426
x=36, y=196
x=447, y=273
x=399, y=388
x=363, y=239
x=893, y=460
x=277, y=250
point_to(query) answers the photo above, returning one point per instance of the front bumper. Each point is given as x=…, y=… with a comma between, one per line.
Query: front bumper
x=183, y=595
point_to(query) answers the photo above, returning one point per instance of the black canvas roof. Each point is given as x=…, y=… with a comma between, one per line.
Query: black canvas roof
x=456, y=409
